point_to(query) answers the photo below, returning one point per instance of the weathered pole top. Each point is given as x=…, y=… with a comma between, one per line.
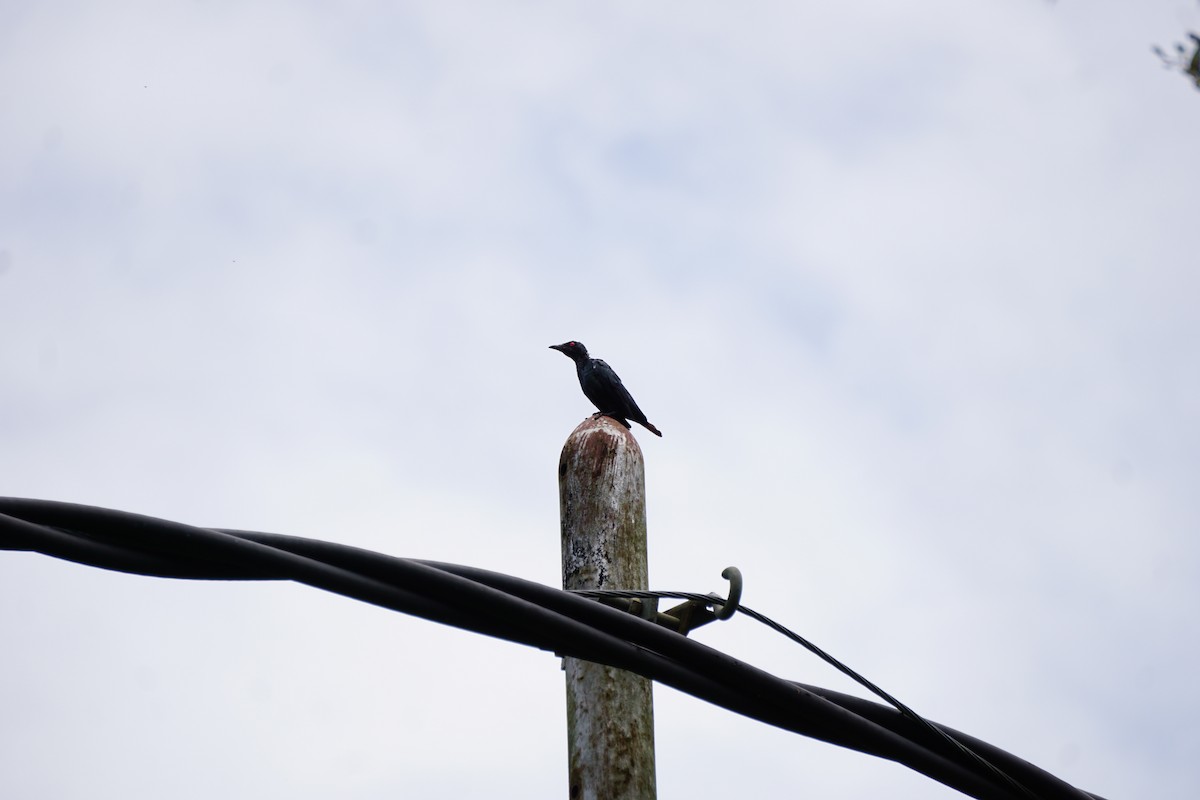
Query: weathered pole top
x=598, y=444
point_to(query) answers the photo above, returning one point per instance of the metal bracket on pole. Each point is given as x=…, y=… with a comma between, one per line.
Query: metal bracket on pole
x=734, y=576
x=645, y=607
x=686, y=616
x=692, y=614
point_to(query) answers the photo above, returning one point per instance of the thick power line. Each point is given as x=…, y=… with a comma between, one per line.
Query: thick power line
x=529, y=613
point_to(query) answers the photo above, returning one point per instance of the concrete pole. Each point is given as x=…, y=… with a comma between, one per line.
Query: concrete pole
x=610, y=712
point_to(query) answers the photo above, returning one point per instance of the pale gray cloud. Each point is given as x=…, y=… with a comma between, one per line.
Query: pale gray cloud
x=908, y=290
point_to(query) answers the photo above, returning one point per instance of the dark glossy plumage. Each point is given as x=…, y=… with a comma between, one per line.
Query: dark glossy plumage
x=603, y=387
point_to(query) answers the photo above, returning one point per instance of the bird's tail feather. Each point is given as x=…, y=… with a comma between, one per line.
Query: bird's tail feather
x=650, y=428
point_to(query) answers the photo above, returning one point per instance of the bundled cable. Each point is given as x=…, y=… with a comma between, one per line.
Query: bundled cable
x=527, y=613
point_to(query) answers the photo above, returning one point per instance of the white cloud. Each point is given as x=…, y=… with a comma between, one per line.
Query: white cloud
x=908, y=291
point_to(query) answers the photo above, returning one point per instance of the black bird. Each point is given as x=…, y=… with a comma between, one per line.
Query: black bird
x=602, y=386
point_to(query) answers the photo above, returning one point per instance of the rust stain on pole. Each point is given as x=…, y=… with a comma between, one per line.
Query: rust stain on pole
x=610, y=712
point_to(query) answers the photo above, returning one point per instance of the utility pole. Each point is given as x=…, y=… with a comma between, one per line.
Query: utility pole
x=610, y=712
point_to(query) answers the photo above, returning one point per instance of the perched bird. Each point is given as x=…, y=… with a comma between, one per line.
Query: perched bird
x=602, y=386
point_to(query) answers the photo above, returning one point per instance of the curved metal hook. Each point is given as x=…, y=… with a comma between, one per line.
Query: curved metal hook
x=734, y=576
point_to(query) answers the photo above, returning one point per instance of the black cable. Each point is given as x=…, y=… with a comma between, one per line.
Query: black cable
x=816, y=720
x=508, y=608
x=1036, y=780
x=978, y=752
x=938, y=732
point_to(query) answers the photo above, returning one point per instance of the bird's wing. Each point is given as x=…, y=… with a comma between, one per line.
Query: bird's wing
x=600, y=385
x=620, y=398
x=602, y=367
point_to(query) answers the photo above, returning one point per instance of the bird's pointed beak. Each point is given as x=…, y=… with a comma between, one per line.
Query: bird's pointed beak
x=557, y=347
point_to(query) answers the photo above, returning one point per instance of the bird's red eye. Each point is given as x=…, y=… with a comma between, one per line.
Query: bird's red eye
x=570, y=344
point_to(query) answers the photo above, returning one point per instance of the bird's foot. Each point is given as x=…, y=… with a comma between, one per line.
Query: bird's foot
x=610, y=415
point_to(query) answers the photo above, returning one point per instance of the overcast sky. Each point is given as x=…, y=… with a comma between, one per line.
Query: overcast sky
x=910, y=290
